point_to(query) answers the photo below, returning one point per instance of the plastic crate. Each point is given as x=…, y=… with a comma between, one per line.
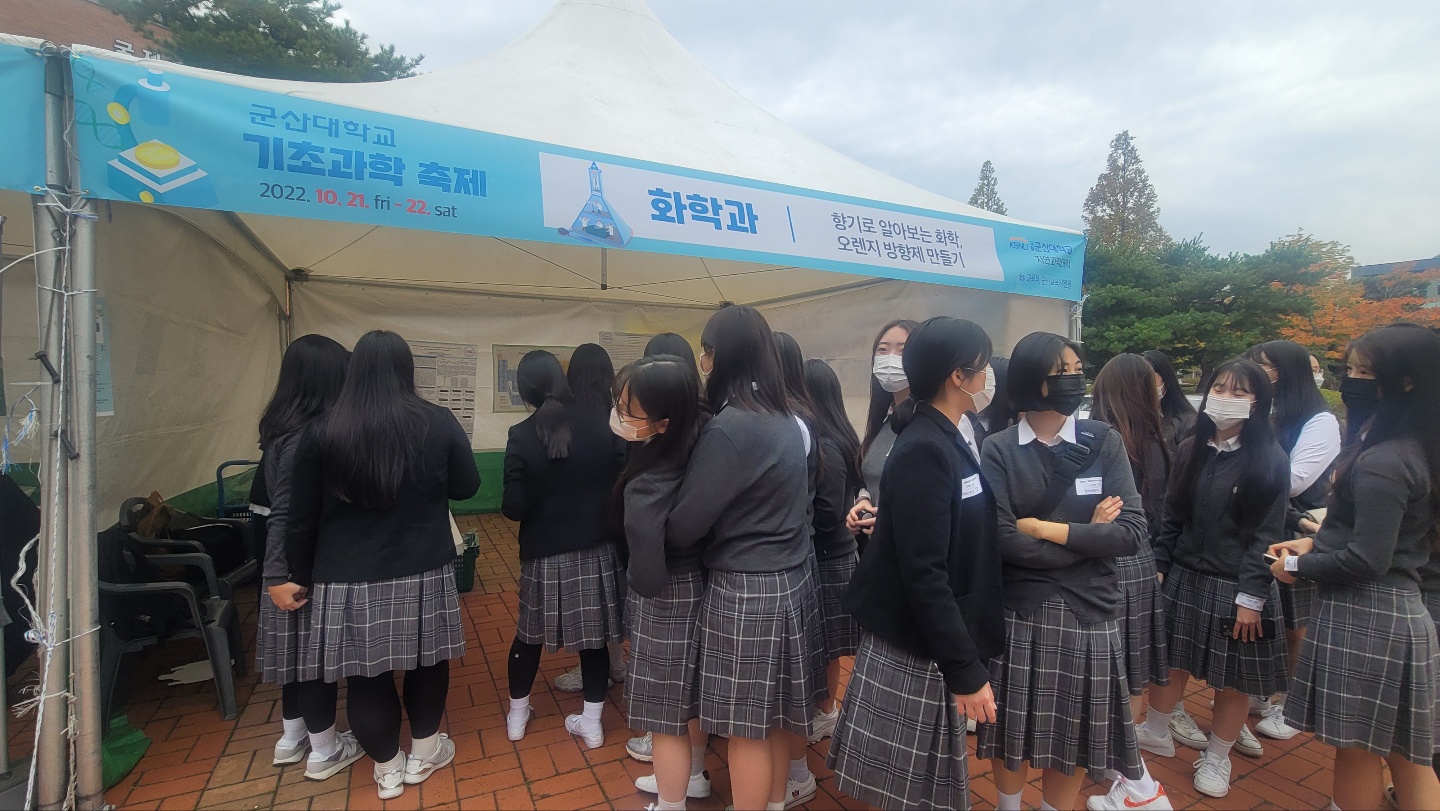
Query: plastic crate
x=465, y=563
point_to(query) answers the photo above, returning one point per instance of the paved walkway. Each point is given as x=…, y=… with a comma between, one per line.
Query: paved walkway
x=198, y=761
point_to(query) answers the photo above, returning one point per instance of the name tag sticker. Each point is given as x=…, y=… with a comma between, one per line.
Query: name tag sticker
x=970, y=486
x=1090, y=487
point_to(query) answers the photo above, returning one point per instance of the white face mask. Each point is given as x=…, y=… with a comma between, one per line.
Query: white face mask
x=890, y=371
x=1160, y=391
x=1319, y=380
x=1227, y=412
x=985, y=396
x=623, y=429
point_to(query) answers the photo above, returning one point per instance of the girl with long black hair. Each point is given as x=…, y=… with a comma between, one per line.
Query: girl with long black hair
x=888, y=389
x=312, y=374
x=1126, y=399
x=1226, y=507
x=1366, y=682
x=1068, y=508
x=658, y=406
x=370, y=546
x=670, y=343
x=1175, y=407
x=926, y=594
x=761, y=651
x=561, y=463
x=1310, y=436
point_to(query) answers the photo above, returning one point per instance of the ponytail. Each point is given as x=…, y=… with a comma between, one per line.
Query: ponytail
x=542, y=384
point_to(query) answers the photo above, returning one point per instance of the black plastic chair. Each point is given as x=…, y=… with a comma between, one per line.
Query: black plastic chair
x=225, y=540
x=139, y=610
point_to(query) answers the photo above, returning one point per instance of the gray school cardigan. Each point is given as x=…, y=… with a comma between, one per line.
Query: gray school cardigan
x=648, y=499
x=1082, y=572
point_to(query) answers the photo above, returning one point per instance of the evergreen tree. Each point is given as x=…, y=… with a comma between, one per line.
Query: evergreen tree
x=987, y=193
x=273, y=39
x=1121, y=210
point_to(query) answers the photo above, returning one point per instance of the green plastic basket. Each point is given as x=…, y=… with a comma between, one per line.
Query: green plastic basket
x=465, y=563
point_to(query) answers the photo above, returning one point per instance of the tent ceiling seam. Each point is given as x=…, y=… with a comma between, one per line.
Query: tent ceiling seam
x=543, y=259
x=718, y=291
x=346, y=246
x=254, y=271
x=818, y=294
x=445, y=288
x=734, y=275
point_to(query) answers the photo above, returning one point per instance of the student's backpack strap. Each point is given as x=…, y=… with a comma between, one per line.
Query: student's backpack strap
x=1072, y=458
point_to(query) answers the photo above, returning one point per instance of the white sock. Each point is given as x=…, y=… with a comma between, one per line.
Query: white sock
x=1044, y=806
x=1333, y=806
x=697, y=760
x=325, y=744
x=1009, y=802
x=425, y=748
x=518, y=705
x=1146, y=785
x=1219, y=748
x=1157, y=722
x=294, y=731
x=800, y=770
x=661, y=805
x=395, y=764
x=592, y=712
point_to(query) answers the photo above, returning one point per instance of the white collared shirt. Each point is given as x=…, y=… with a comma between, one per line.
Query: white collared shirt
x=967, y=432
x=1226, y=445
x=1243, y=600
x=1067, y=432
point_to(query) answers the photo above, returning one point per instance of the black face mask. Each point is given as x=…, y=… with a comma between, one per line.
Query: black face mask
x=1065, y=393
x=1361, y=397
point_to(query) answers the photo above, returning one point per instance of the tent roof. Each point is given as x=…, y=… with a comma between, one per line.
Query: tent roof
x=603, y=76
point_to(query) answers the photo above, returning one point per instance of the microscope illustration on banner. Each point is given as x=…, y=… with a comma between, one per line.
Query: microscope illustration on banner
x=152, y=171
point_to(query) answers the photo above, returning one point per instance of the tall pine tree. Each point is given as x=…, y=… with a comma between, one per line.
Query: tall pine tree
x=987, y=193
x=1120, y=210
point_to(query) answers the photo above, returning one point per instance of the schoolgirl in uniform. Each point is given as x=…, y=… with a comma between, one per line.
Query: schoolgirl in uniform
x=1127, y=399
x=994, y=414
x=1366, y=682
x=659, y=406
x=312, y=374
x=761, y=660
x=1310, y=435
x=1062, y=686
x=561, y=464
x=1225, y=509
x=1176, y=412
x=888, y=389
x=926, y=594
x=670, y=343
x=370, y=546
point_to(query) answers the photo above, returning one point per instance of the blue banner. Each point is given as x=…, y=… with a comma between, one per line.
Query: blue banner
x=22, y=127
x=166, y=138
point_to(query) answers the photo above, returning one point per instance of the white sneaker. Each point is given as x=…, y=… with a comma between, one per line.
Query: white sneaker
x=1212, y=775
x=573, y=681
x=1247, y=744
x=287, y=753
x=1164, y=746
x=1273, y=725
x=1258, y=705
x=515, y=723
x=576, y=725
x=822, y=724
x=324, y=768
x=799, y=793
x=698, y=789
x=641, y=748
x=390, y=784
x=418, y=771
x=1183, y=727
x=1124, y=797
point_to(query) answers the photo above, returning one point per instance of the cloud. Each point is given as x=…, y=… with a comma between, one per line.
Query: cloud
x=1252, y=119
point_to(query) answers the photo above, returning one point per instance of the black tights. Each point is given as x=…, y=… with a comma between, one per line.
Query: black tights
x=374, y=708
x=312, y=700
x=525, y=663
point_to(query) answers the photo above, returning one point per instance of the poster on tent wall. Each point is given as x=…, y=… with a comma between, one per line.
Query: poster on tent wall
x=507, y=360
x=163, y=137
x=446, y=374
x=22, y=127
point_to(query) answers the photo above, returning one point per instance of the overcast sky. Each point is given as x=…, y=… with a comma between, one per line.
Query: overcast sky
x=1253, y=119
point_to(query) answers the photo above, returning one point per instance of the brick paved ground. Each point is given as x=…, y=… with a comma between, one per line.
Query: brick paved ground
x=199, y=761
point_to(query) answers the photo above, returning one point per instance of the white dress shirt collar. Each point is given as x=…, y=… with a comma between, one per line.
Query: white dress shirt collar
x=1226, y=445
x=1067, y=432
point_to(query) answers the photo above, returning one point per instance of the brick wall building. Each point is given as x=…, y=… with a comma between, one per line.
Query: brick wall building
x=73, y=22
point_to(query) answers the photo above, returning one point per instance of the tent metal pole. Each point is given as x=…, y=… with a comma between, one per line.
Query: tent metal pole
x=89, y=727
x=51, y=234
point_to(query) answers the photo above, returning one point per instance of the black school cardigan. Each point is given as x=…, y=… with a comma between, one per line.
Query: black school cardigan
x=930, y=578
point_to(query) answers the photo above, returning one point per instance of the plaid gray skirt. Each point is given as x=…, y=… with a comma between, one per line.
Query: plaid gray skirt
x=900, y=743
x=842, y=634
x=761, y=652
x=1142, y=626
x=572, y=600
x=1297, y=603
x=366, y=629
x=660, y=689
x=1201, y=620
x=279, y=638
x=1064, y=701
x=1366, y=678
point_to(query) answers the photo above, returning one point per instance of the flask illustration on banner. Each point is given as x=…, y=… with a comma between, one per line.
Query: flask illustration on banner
x=152, y=171
x=597, y=223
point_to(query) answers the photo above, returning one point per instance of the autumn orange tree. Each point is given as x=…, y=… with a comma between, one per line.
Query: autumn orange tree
x=1342, y=313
